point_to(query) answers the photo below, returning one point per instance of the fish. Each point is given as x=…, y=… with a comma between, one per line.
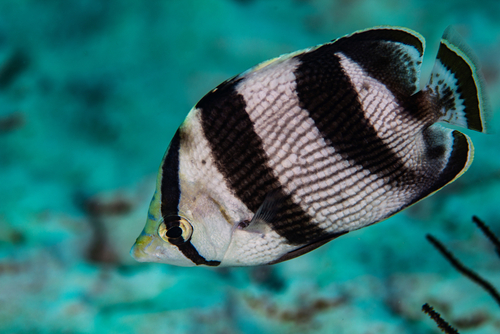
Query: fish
x=306, y=147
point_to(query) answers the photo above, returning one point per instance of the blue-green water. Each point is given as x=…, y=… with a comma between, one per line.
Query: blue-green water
x=91, y=93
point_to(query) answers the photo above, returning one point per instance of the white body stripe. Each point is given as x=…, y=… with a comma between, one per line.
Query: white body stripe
x=192, y=169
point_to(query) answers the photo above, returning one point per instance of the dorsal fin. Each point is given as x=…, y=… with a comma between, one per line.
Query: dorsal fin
x=457, y=84
x=392, y=55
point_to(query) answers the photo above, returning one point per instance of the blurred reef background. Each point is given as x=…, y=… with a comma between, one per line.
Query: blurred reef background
x=91, y=93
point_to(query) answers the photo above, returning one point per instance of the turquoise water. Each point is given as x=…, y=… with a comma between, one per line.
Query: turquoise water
x=91, y=93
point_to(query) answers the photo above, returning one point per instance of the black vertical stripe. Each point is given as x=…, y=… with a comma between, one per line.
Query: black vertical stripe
x=171, y=195
x=327, y=93
x=170, y=187
x=239, y=155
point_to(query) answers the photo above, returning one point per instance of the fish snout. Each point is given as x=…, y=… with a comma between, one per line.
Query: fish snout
x=139, y=249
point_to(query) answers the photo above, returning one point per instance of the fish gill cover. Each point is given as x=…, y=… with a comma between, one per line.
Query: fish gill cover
x=91, y=92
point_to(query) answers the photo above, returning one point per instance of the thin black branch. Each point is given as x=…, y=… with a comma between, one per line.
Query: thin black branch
x=442, y=324
x=463, y=269
x=487, y=232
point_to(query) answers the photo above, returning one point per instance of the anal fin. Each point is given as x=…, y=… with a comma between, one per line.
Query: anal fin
x=450, y=149
x=307, y=248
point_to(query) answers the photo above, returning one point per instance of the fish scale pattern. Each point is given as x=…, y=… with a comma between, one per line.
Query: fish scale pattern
x=321, y=169
x=241, y=158
x=338, y=194
x=399, y=129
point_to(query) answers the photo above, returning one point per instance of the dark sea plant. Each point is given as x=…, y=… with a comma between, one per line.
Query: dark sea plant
x=467, y=272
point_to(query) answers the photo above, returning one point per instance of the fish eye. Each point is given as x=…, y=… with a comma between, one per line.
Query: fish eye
x=175, y=230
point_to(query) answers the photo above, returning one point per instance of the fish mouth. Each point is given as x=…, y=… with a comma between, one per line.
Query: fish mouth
x=139, y=249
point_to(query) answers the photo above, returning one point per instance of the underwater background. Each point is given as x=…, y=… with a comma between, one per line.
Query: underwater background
x=91, y=92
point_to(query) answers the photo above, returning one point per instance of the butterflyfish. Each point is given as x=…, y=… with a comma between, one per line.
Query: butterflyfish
x=308, y=146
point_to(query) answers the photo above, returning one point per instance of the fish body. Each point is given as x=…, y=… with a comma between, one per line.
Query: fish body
x=303, y=148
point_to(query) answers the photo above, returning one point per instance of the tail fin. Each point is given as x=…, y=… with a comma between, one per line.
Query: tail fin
x=457, y=84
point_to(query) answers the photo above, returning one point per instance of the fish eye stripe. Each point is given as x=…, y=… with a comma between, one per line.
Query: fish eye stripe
x=191, y=253
x=170, y=187
x=171, y=193
x=171, y=221
x=180, y=237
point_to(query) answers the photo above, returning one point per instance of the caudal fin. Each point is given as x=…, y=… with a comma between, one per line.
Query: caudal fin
x=457, y=84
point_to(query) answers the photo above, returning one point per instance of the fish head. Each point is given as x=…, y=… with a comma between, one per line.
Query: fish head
x=187, y=225
x=196, y=235
x=196, y=218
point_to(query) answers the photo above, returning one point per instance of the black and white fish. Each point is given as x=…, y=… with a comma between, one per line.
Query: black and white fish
x=303, y=148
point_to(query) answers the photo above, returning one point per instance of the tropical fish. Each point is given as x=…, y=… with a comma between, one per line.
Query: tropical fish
x=306, y=147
